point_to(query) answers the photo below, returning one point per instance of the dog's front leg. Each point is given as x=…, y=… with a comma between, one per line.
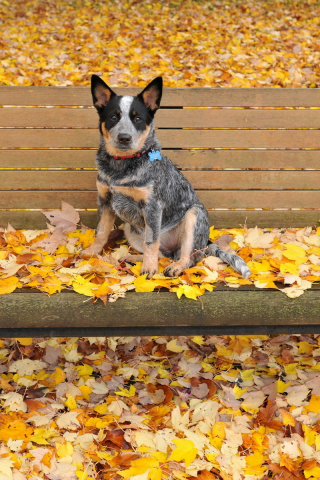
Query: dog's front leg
x=106, y=217
x=153, y=217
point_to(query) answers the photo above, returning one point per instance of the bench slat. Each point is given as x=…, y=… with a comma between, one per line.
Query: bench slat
x=182, y=158
x=187, y=97
x=211, y=199
x=220, y=219
x=223, y=312
x=206, y=180
x=165, y=118
x=89, y=138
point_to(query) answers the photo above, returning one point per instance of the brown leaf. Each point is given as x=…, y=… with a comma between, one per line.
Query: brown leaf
x=266, y=414
x=206, y=475
x=308, y=464
x=289, y=463
x=25, y=258
x=287, y=356
x=114, y=237
x=284, y=474
x=223, y=242
x=115, y=439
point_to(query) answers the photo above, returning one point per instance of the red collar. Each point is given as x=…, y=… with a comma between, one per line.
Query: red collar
x=132, y=156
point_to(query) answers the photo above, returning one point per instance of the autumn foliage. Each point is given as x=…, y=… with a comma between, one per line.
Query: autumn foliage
x=51, y=260
x=191, y=43
x=152, y=408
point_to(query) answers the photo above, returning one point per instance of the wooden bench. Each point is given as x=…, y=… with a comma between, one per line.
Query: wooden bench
x=248, y=164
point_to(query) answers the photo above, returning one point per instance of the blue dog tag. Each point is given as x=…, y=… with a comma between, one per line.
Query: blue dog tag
x=154, y=155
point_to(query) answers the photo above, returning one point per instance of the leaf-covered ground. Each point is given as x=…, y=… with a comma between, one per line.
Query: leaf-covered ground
x=191, y=43
x=215, y=407
x=52, y=259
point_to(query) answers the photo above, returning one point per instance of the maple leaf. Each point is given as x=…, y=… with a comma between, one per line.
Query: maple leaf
x=185, y=451
x=66, y=219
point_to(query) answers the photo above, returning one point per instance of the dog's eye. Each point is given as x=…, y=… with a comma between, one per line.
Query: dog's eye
x=113, y=117
x=137, y=119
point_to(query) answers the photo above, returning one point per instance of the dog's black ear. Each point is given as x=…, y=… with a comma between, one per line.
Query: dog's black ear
x=101, y=93
x=151, y=95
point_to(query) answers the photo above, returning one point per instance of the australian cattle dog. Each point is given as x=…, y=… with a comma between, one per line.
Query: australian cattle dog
x=136, y=181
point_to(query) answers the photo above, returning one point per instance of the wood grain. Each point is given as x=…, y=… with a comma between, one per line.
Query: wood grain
x=202, y=180
x=184, y=159
x=187, y=97
x=223, y=312
x=210, y=199
x=220, y=219
x=172, y=138
x=165, y=118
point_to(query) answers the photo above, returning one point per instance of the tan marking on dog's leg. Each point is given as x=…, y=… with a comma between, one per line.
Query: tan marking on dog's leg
x=103, y=231
x=102, y=188
x=187, y=240
x=150, y=259
x=138, y=193
x=134, y=258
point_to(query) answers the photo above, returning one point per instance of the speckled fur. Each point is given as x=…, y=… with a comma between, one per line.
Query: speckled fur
x=160, y=217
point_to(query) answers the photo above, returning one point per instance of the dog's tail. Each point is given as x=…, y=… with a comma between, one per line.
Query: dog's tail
x=235, y=261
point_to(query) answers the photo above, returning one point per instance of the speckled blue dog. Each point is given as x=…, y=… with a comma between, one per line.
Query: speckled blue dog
x=163, y=216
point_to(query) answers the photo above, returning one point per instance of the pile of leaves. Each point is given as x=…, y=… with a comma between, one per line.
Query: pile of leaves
x=251, y=43
x=152, y=408
x=51, y=260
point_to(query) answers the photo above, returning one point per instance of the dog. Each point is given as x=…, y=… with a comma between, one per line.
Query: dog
x=162, y=213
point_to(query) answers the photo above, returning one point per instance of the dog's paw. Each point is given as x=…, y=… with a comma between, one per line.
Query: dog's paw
x=174, y=270
x=148, y=272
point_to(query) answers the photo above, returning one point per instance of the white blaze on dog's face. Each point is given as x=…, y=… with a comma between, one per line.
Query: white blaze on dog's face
x=125, y=121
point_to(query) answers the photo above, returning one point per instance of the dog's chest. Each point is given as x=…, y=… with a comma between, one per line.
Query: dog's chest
x=127, y=201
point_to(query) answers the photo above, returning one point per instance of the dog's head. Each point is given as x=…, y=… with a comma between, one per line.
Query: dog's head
x=125, y=121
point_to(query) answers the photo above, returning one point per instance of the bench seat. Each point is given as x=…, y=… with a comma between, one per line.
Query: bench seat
x=253, y=157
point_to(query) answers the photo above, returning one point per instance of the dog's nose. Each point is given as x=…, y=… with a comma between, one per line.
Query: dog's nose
x=124, y=138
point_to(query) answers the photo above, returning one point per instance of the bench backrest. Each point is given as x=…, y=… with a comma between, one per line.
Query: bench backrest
x=246, y=157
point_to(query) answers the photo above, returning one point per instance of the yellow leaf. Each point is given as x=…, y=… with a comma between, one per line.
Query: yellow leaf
x=173, y=347
x=291, y=369
x=282, y=386
x=139, y=466
x=64, y=449
x=58, y=376
x=82, y=474
x=136, y=268
x=155, y=474
x=25, y=341
x=309, y=435
x=254, y=463
x=161, y=456
x=189, y=291
x=314, y=405
x=8, y=285
x=304, y=347
x=103, y=408
x=84, y=370
x=126, y=393
x=287, y=418
x=85, y=390
x=247, y=374
x=185, y=451
x=105, y=456
x=70, y=403
x=219, y=430
x=143, y=285
x=84, y=288
x=313, y=472
x=198, y=340
x=238, y=392
x=289, y=268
